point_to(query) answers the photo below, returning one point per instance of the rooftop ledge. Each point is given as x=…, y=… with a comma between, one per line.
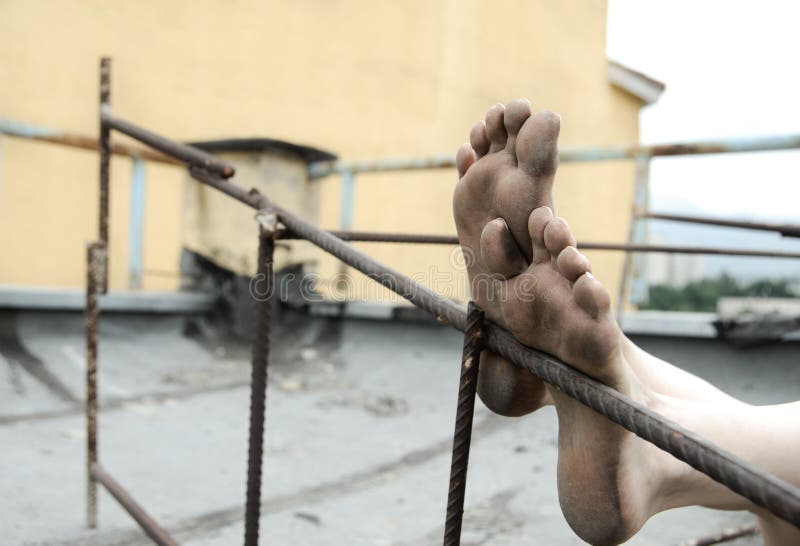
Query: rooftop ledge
x=643, y=323
x=65, y=299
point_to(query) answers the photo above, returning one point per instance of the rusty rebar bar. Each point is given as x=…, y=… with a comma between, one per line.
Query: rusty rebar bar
x=765, y=490
x=188, y=154
x=422, y=238
x=462, y=436
x=381, y=237
x=726, y=535
x=787, y=230
x=258, y=378
x=145, y=521
x=104, y=143
x=95, y=262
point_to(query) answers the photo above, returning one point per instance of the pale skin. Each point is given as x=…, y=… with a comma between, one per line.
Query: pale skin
x=527, y=274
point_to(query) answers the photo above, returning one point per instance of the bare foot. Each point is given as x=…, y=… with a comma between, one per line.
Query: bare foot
x=505, y=172
x=526, y=273
x=557, y=306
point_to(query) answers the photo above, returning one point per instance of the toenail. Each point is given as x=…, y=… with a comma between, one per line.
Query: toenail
x=589, y=276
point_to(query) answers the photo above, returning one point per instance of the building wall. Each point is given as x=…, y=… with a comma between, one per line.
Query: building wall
x=360, y=79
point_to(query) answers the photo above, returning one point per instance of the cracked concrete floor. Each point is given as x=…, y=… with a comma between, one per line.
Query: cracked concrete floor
x=360, y=417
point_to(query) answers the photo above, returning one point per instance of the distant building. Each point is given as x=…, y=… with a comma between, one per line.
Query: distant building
x=359, y=79
x=673, y=269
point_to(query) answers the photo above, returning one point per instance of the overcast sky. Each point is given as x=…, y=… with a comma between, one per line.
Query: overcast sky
x=731, y=69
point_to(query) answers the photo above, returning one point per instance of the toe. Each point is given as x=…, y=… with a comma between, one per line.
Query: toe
x=591, y=296
x=557, y=236
x=537, y=222
x=572, y=264
x=479, y=139
x=537, y=144
x=515, y=115
x=495, y=127
x=465, y=158
x=500, y=252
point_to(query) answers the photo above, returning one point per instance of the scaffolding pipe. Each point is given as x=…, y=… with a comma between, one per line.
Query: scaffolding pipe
x=421, y=238
x=569, y=154
x=28, y=131
x=787, y=230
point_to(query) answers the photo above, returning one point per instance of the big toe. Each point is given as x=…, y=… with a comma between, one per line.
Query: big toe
x=537, y=144
x=499, y=250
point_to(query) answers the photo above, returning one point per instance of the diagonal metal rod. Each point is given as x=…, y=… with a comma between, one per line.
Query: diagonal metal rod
x=779, y=497
x=465, y=408
x=145, y=521
x=186, y=153
x=787, y=230
x=258, y=382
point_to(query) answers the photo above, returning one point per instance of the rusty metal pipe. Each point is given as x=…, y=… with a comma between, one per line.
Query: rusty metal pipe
x=258, y=384
x=184, y=152
x=568, y=154
x=377, y=237
x=787, y=230
x=95, y=262
x=381, y=237
x=105, y=159
x=462, y=436
x=145, y=521
x=691, y=249
x=74, y=140
x=765, y=490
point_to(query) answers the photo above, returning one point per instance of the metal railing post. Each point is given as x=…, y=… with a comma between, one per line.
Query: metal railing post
x=347, y=198
x=258, y=380
x=136, y=225
x=473, y=345
x=104, y=143
x=95, y=273
x=632, y=286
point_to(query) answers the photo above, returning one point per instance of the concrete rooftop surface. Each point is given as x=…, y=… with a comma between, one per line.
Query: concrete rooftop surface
x=358, y=434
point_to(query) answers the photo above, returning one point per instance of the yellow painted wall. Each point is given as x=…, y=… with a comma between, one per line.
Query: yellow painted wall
x=361, y=79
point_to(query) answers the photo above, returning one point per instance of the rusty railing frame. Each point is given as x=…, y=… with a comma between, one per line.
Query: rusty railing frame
x=779, y=497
